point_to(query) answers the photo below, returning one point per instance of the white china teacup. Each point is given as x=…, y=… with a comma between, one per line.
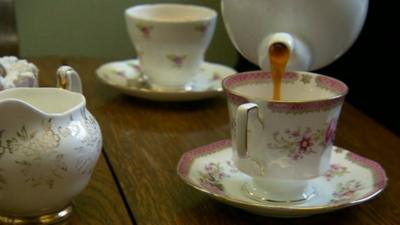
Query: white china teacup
x=283, y=144
x=170, y=40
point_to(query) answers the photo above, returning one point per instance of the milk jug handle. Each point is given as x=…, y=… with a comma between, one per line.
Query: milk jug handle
x=68, y=79
x=242, y=120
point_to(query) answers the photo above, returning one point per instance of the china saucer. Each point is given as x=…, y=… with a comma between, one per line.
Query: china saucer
x=351, y=180
x=127, y=76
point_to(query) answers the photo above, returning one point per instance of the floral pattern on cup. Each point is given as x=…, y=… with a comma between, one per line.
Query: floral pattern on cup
x=306, y=107
x=177, y=60
x=212, y=177
x=331, y=85
x=145, y=30
x=346, y=191
x=297, y=143
x=203, y=28
x=336, y=170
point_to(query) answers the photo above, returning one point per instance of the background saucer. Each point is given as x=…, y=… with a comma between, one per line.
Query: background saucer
x=126, y=77
x=351, y=180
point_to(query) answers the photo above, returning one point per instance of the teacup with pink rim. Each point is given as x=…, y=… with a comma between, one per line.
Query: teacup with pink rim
x=170, y=40
x=283, y=144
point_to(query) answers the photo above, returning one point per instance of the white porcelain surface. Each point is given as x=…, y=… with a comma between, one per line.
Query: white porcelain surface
x=283, y=143
x=350, y=180
x=49, y=145
x=319, y=31
x=171, y=40
x=16, y=72
x=128, y=77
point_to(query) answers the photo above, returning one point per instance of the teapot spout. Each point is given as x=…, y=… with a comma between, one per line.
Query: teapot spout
x=300, y=55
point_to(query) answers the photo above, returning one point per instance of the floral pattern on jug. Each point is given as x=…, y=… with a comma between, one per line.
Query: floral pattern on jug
x=40, y=146
x=91, y=140
x=36, y=148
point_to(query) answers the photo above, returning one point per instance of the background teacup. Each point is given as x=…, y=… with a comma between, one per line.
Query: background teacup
x=283, y=144
x=170, y=40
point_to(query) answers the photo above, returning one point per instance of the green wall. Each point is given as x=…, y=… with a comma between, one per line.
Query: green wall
x=94, y=28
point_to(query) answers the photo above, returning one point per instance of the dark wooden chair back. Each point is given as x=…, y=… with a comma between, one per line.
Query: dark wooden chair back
x=8, y=29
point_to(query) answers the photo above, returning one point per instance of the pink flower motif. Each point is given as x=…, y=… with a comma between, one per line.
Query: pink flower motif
x=305, y=144
x=298, y=143
x=304, y=148
x=212, y=178
x=145, y=30
x=177, y=60
x=215, y=77
x=336, y=170
x=330, y=132
x=346, y=191
x=203, y=28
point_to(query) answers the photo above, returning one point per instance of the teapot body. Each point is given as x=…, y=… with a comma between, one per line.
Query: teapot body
x=321, y=31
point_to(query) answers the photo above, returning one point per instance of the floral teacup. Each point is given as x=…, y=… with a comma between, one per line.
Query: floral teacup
x=170, y=40
x=283, y=144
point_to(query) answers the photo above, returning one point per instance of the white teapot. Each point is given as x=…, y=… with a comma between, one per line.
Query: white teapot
x=316, y=31
x=49, y=146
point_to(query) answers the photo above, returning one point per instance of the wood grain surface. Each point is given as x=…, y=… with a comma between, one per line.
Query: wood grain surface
x=144, y=140
x=101, y=202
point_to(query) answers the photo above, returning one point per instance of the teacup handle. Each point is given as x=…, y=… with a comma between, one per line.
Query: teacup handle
x=68, y=79
x=242, y=120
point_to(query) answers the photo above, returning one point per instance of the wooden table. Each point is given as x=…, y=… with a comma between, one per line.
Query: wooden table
x=135, y=181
